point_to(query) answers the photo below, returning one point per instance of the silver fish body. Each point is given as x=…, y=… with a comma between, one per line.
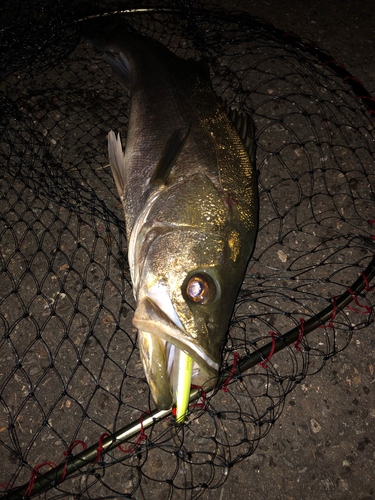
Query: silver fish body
x=188, y=186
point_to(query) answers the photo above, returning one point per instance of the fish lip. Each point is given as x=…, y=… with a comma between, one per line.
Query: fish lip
x=150, y=318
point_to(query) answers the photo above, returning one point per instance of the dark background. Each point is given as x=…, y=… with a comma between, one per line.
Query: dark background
x=346, y=29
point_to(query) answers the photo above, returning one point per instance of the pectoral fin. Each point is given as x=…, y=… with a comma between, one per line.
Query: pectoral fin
x=121, y=69
x=169, y=156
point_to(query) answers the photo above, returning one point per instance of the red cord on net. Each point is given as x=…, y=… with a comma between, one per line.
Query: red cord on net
x=368, y=289
x=366, y=97
x=140, y=438
x=100, y=448
x=354, y=79
x=6, y=486
x=333, y=62
x=330, y=324
x=368, y=309
x=264, y=363
x=67, y=453
x=33, y=476
x=236, y=358
x=203, y=395
x=301, y=332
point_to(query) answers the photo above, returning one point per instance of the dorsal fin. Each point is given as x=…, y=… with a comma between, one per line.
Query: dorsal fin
x=168, y=157
x=245, y=127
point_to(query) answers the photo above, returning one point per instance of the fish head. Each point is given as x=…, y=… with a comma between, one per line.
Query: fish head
x=187, y=268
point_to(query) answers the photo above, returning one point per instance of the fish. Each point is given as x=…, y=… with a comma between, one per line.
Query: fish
x=187, y=183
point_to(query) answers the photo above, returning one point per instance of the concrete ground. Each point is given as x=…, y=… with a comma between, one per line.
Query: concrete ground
x=336, y=459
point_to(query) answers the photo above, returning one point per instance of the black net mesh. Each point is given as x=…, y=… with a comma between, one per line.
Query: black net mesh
x=70, y=367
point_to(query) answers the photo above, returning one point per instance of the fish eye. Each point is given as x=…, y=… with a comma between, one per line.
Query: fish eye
x=200, y=288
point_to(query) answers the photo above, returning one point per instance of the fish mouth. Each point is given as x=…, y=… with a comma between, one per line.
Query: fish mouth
x=163, y=343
